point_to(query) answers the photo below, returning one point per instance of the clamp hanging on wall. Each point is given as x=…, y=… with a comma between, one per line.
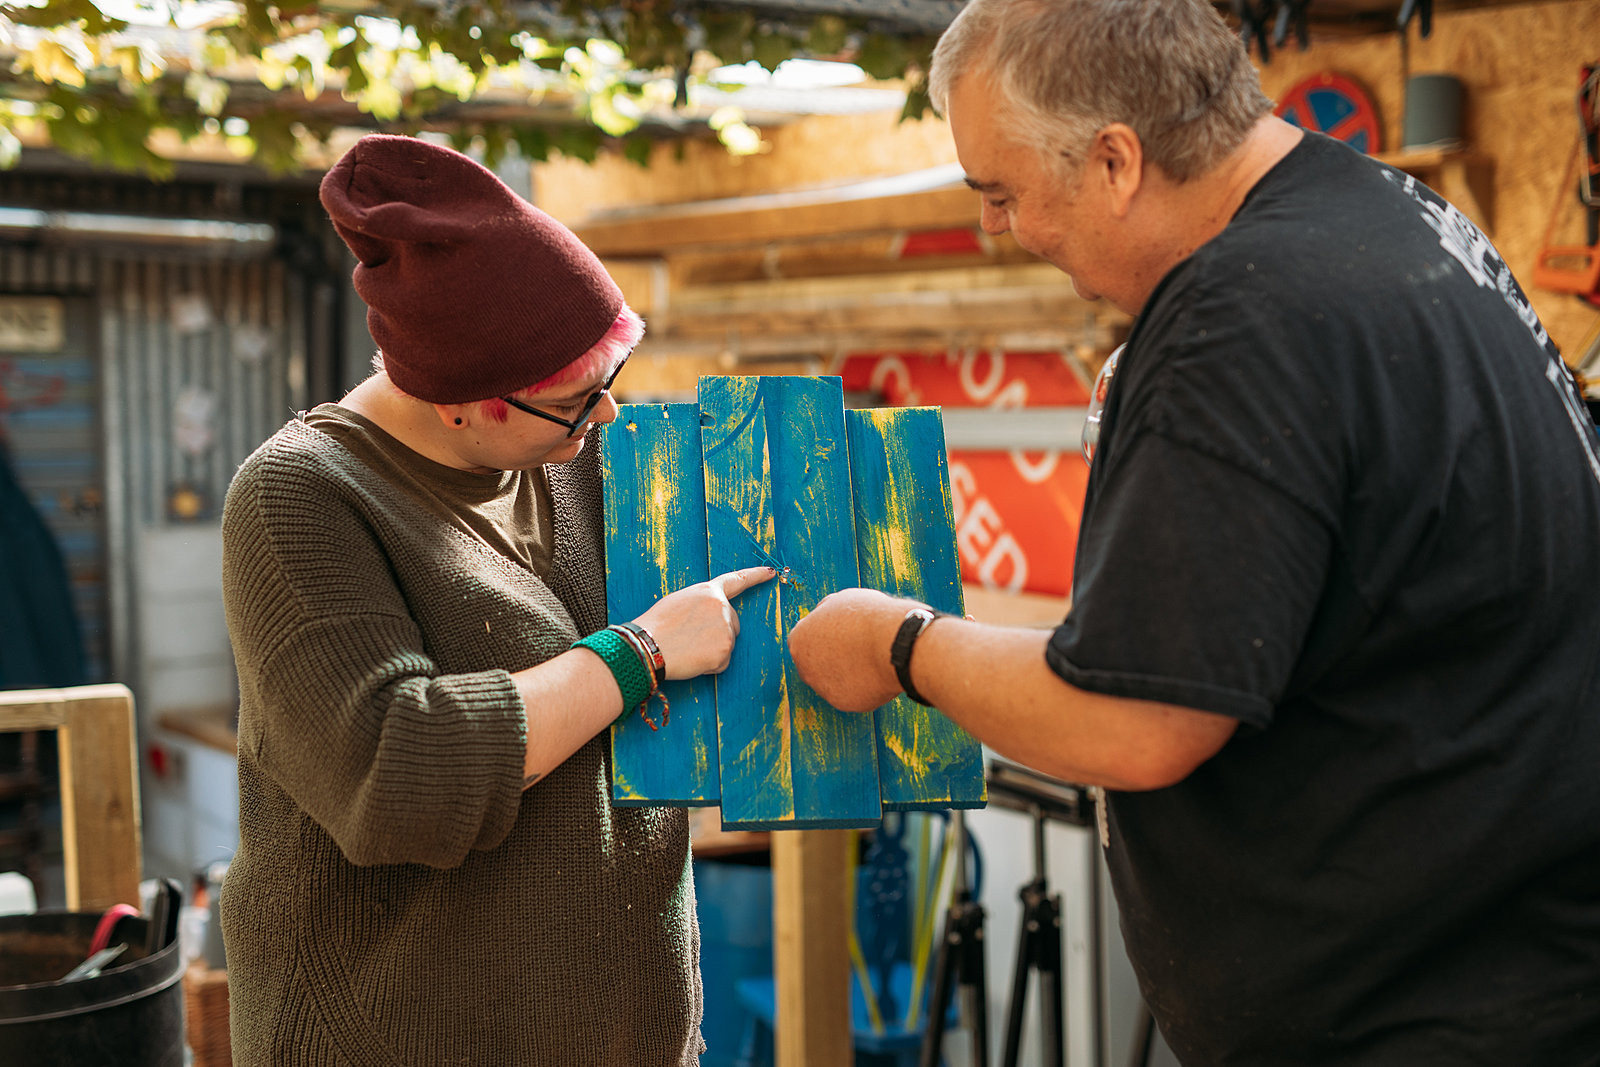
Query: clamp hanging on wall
x=1422, y=11
x=1292, y=15
x=1255, y=20
x=1268, y=23
x=1576, y=268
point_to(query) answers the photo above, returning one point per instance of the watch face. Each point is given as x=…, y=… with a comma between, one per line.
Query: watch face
x=916, y=620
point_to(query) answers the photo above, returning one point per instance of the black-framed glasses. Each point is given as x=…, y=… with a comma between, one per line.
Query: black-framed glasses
x=592, y=402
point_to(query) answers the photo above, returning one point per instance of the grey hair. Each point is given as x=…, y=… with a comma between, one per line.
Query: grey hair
x=1170, y=69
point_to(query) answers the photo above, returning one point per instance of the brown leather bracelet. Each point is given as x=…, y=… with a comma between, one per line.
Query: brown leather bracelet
x=658, y=662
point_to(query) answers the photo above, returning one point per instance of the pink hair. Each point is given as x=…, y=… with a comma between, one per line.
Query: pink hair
x=604, y=357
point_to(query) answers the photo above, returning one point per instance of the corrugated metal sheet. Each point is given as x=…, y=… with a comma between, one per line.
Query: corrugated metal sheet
x=174, y=370
x=233, y=333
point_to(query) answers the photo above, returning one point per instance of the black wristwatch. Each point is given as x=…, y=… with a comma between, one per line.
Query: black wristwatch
x=916, y=621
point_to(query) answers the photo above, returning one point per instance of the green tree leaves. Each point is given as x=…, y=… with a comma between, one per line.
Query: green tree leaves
x=272, y=80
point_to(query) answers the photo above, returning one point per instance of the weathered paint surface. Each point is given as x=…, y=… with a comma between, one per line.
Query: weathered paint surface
x=777, y=482
x=655, y=509
x=906, y=546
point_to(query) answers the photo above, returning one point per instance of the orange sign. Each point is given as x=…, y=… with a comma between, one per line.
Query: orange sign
x=1016, y=512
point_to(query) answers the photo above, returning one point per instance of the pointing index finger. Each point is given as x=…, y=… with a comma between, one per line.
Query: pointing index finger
x=732, y=583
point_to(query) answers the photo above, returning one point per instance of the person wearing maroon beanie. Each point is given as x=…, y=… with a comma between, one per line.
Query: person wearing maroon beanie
x=430, y=868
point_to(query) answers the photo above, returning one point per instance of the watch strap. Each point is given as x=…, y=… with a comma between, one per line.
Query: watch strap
x=911, y=627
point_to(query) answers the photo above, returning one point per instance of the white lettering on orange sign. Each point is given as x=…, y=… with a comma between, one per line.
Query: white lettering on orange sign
x=1007, y=397
x=976, y=389
x=980, y=537
x=894, y=367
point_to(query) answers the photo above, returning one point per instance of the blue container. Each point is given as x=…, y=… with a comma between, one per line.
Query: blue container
x=734, y=900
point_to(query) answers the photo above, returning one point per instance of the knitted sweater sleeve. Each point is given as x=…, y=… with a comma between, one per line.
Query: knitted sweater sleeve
x=342, y=705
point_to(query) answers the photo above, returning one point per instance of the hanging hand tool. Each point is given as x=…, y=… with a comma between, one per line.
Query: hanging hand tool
x=1589, y=123
x=91, y=967
x=1422, y=11
x=1576, y=268
x=1292, y=14
x=1254, y=22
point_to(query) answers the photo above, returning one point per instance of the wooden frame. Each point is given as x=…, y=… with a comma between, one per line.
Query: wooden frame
x=99, y=785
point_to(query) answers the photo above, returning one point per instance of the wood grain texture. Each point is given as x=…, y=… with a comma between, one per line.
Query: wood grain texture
x=777, y=481
x=811, y=921
x=655, y=519
x=906, y=546
x=99, y=786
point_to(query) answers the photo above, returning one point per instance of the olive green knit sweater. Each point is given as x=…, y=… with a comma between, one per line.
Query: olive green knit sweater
x=397, y=898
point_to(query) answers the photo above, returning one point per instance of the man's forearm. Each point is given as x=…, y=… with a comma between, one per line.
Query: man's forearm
x=996, y=683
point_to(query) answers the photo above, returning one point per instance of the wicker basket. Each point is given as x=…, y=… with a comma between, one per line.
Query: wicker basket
x=205, y=1001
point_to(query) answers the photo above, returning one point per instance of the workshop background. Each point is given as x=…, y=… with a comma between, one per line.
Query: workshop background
x=154, y=331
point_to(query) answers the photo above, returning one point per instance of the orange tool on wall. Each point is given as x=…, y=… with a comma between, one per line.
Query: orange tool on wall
x=1576, y=268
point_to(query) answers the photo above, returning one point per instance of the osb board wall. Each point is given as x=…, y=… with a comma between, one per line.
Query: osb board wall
x=817, y=151
x=1519, y=64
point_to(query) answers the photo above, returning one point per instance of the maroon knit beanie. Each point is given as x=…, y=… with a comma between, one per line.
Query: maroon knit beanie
x=471, y=291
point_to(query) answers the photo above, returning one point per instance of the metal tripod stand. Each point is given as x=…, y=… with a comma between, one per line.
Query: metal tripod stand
x=1038, y=949
x=1039, y=942
x=960, y=962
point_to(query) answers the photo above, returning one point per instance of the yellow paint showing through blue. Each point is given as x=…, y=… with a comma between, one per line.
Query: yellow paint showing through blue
x=778, y=492
x=655, y=543
x=905, y=538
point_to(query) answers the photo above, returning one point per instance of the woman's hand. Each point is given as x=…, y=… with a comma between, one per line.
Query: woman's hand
x=696, y=625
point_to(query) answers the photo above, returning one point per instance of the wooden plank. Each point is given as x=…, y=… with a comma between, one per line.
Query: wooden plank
x=32, y=709
x=100, y=799
x=778, y=492
x=645, y=283
x=655, y=509
x=811, y=962
x=776, y=217
x=906, y=546
x=871, y=291
x=99, y=786
x=875, y=254
x=1024, y=307
x=213, y=726
x=802, y=351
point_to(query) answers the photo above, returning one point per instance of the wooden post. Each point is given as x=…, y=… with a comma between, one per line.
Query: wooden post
x=99, y=786
x=811, y=922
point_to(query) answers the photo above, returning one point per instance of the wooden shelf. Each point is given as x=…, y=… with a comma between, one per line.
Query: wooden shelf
x=708, y=840
x=1461, y=176
x=213, y=726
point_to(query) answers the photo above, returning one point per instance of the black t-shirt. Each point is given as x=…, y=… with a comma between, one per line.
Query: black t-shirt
x=1345, y=493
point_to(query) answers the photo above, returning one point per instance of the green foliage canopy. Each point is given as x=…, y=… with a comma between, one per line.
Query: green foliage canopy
x=273, y=81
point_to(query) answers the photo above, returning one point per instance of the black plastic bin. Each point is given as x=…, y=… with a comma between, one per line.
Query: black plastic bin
x=130, y=1015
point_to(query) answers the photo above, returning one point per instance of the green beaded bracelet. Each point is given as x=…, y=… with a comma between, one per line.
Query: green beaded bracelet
x=626, y=667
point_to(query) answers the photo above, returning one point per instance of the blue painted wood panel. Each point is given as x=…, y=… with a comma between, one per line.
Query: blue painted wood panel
x=655, y=509
x=777, y=481
x=906, y=546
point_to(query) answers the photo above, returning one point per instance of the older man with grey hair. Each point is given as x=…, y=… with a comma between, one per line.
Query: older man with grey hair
x=1331, y=650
